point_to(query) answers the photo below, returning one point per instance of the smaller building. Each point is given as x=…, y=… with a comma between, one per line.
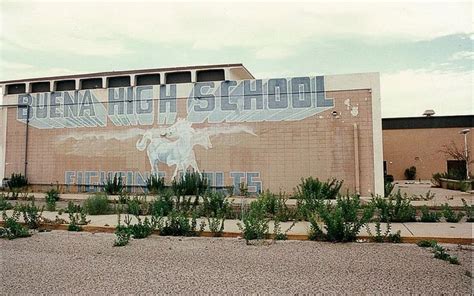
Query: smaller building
x=420, y=141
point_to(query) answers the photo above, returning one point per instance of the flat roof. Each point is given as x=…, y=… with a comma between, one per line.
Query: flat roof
x=428, y=122
x=125, y=72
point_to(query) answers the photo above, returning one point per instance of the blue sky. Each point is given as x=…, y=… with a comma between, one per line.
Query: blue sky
x=423, y=51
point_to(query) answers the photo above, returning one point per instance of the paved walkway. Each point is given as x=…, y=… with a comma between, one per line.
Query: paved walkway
x=415, y=229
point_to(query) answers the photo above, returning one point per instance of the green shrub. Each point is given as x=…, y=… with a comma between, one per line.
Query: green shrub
x=12, y=228
x=162, y=204
x=31, y=214
x=388, y=187
x=17, y=181
x=440, y=253
x=4, y=204
x=141, y=229
x=450, y=215
x=410, y=173
x=137, y=206
x=276, y=206
x=427, y=216
x=255, y=223
x=155, y=184
x=468, y=211
x=426, y=243
x=310, y=192
x=395, y=208
x=215, y=207
x=77, y=216
x=122, y=236
x=52, y=196
x=114, y=186
x=191, y=183
x=178, y=224
x=97, y=204
x=342, y=221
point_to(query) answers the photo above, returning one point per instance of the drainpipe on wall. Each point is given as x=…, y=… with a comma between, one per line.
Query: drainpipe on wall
x=356, y=159
x=26, y=136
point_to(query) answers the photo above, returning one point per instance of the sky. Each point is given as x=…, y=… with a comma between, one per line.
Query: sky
x=422, y=50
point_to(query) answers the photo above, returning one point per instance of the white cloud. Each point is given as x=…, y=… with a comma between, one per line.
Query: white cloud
x=462, y=55
x=12, y=70
x=103, y=28
x=411, y=92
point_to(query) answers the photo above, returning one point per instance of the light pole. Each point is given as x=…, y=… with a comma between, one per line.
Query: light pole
x=465, y=132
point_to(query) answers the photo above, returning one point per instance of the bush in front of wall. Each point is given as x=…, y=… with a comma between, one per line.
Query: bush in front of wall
x=427, y=216
x=310, y=192
x=17, y=181
x=342, y=221
x=450, y=215
x=255, y=222
x=11, y=227
x=52, y=196
x=155, y=184
x=215, y=207
x=114, y=186
x=395, y=208
x=178, y=224
x=97, y=204
x=410, y=173
x=122, y=236
x=162, y=204
x=31, y=214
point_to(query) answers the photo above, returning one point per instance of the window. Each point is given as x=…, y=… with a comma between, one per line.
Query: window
x=40, y=87
x=18, y=88
x=178, y=77
x=91, y=83
x=211, y=75
x=65, y=85
x=120, y=81
x=148, y=79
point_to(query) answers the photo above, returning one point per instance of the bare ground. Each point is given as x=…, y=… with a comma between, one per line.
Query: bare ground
x=61, y=262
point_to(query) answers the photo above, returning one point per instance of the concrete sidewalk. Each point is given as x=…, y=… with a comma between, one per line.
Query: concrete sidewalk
x=408, y=230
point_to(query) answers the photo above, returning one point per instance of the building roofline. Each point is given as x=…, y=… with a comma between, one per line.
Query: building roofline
x=125, y=72
x=451, y=121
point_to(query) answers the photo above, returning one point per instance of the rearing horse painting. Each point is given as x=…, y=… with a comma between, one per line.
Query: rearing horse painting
x=175, y=145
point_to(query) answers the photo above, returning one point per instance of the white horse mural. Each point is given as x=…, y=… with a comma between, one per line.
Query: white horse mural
x=175, y=145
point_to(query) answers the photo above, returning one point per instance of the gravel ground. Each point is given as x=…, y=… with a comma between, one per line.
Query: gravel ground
x=62, y=262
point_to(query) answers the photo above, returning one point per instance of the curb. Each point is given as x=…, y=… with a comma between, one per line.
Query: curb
x=300, y=237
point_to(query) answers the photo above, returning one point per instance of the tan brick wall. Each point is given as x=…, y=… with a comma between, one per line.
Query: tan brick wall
x=282, y=152
x=420, y=148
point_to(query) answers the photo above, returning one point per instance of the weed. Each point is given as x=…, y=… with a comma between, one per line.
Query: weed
x=52, y=196
x=426, y=243
x=136, y=206
x=278, y=234
x=427, y=216
x=189, y=184
x=450, y=215
x=254, y=223
x=141, y=229
x=388, y=187
x=122, y=236
x=440, y=253
x=77, y=217
x=342, y=221
x=12, y=228
x=97, y=204
x=177, y=224
x=31, y=214
x=113, y=186
x=383, y=236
